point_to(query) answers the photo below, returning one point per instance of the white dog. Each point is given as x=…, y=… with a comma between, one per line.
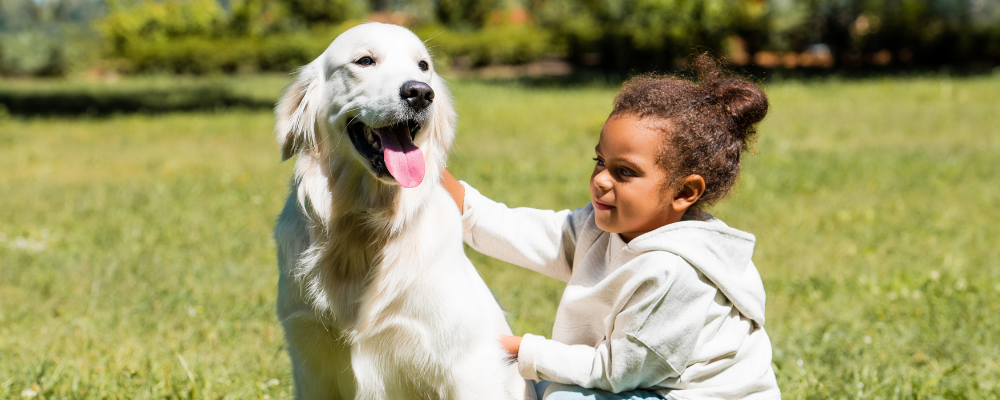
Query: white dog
x=376, y=296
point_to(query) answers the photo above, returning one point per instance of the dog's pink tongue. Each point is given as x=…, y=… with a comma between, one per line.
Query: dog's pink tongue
x=404, y=160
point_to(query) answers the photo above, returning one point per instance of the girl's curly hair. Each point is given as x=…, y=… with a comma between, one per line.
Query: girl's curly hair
x=707, y=123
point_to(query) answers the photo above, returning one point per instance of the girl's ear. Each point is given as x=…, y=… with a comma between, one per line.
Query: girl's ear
x=691, y=189
x=295, y=115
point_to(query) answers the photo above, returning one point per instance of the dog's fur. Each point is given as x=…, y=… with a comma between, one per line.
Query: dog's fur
x=376, y=296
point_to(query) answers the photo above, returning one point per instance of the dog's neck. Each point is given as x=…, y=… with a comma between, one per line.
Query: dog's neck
x=352, y=216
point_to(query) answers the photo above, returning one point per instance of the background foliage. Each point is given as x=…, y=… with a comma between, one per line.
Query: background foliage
x=47, y=38
x=56, y=37
x=928, y=32
x=644, y=34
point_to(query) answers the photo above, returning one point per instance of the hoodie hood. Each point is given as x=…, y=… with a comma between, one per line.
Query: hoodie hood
x=721, y=253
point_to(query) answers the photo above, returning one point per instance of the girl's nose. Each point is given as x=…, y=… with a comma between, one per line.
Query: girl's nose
x=603, y=180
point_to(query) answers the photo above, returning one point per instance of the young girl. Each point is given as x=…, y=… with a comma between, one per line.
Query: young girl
x=662, y=299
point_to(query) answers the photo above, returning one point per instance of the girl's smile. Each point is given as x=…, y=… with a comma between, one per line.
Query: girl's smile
x=601, y=206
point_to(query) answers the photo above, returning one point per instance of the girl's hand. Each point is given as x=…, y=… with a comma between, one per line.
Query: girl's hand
x=455, y=189
x=511, y=343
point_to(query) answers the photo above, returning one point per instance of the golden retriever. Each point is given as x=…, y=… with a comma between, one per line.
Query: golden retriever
x=376, y=295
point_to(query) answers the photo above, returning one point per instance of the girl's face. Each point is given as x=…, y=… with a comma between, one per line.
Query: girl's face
x=628, y=187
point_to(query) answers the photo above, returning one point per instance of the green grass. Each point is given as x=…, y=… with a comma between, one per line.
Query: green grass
x=131, y=243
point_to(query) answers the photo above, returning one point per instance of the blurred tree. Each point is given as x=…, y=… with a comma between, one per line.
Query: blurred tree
x=247, y=18
x=644, y=34
x=17, y=15
x=47, y=37
x=129, y=25
x=465, y=14
x=326, y=11
x=889, y=31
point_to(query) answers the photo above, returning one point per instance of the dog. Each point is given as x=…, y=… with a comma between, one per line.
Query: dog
x=376, y=296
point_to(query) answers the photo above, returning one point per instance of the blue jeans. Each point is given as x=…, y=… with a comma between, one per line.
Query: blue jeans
x=557, y=391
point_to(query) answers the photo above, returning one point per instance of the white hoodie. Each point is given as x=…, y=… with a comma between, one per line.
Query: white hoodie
x=678, y=310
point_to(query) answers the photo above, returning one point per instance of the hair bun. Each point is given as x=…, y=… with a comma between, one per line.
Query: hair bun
x=744, y=102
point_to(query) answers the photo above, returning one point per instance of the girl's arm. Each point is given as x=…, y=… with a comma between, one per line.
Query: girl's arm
x=511, y=344
x=455, y=189
x=653, y=336
x=540, y=240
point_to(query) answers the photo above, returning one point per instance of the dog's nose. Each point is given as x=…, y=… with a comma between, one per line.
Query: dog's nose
x=417, y=94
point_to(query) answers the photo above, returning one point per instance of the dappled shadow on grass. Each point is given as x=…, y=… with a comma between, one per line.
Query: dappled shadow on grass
x=22, y=102
x=598, y=77
x=171, y=93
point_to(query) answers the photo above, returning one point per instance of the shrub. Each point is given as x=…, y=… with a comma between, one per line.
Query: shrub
x=45, y=52
x=644, y=34
x=502, y=44
x=465, y=14
x=325, y=11
x=290, y=51
x=906, y=31
x=192, y=54
x=127, y=27
x=201, y=55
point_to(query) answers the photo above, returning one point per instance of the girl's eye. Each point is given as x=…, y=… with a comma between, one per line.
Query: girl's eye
x=600, y=162
x=365, y=61
x=626, y=172
x=423, y=65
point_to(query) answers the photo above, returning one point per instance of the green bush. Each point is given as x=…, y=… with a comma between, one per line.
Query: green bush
x=911, y=31
x=198, y=37
x=45, y=52
x=644, y=34
x=47, y=38
x=130, y=26
x=201, y=55
x=465, y=13
x=191, y=54
x=290, y=51
x=284, y=51
x=30, y=53
x=502, y=44
x=325, y=11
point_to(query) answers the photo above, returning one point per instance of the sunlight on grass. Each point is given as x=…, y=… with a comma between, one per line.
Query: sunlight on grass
x=136, y=258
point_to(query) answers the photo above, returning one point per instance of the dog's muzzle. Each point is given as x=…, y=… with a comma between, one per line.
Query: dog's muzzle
x=390, y=150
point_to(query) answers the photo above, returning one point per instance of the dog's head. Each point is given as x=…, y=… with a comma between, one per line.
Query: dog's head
x=376, y=86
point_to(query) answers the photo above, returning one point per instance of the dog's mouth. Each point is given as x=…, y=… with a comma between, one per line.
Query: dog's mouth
x=390, y=150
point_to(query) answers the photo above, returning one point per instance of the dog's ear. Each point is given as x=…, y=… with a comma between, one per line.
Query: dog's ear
x=295, y=115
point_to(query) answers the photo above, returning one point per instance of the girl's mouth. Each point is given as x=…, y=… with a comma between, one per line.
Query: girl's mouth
x=601, y=206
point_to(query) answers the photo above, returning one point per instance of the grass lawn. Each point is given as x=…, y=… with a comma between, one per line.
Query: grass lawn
x=136, y=258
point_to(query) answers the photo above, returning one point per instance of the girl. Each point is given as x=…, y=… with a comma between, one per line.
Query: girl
x=662, y=299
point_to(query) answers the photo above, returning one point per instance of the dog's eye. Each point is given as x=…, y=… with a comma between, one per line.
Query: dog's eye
x=365, y=61
x=423, y=65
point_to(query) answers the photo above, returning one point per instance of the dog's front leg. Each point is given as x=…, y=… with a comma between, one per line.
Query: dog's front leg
x=321, y=362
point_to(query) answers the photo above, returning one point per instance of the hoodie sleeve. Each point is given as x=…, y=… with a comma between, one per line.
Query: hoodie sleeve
x=652, y=338
x=540, y=240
